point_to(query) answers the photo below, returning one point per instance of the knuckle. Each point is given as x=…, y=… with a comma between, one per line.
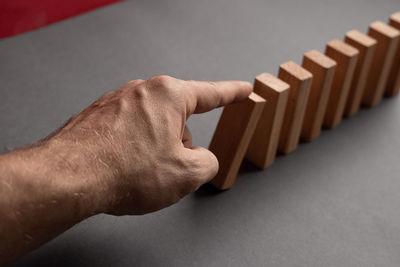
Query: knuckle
x=194, y=172
x=205, y=169
x=194, y=169
x=187, y=165
x=130, y=86
x=138, y=92
x=162, y=82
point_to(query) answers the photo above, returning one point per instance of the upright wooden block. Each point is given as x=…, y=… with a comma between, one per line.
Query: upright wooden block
x=232, y=136
x=346, y=59
x=299, y=80
x=393, y=86
x=264, y=143
x=387, y=39
x=366, y=48
x=323, y=69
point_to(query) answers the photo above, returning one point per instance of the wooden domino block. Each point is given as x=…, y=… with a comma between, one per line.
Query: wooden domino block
x=366, y=48
x=323, y=69
x=387, y=39
x=299, y=80
x=346, y=59
x=393, y=86
x=264, y=143
x=232, y=136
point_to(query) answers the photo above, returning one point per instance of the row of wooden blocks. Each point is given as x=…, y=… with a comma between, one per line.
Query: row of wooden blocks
x=296, y=105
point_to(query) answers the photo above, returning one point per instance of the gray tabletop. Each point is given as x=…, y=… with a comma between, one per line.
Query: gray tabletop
x=333, y=202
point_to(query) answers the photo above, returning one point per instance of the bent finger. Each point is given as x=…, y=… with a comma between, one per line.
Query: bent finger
x=205, y=164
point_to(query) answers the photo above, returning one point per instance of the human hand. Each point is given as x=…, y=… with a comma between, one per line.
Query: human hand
x=127, y=153
x=135, y=146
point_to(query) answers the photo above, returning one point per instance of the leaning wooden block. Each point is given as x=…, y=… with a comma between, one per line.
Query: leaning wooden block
x=323, y=69
x=299, y=80
x=346, y=59
x=366, y=48
x=387, y=39
x=393, y=86
x=232, y=136
x=264, y=143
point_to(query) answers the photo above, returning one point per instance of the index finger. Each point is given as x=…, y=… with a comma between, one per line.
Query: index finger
x=205, y=96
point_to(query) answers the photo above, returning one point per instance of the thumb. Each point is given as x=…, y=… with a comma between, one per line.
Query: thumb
x=206, y=163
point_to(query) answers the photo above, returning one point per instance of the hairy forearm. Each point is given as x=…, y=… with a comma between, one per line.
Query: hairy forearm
x=129, y=152
x=44, y=190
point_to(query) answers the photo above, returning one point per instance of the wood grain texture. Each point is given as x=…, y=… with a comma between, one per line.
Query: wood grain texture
x=264, y=143
x=299, y=80
x=232, y=136
x=366, y=48
x=323, y=69
x=346, y=59
x=393, y=86
x=387, y=39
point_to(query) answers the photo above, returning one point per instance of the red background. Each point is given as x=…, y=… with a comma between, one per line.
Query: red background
x=18, y=16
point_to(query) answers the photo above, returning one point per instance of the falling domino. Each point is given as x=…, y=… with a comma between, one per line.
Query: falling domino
x=323, y=69
x=346, y=59
x=325, y=88
x=393, y=86
x=264, y=143
x=387, y=39
x=232, y=136
x=299, y=80
x=366, y=48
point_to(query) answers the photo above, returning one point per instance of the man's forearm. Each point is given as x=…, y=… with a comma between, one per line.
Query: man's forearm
x=130, y=152
x=39, y=183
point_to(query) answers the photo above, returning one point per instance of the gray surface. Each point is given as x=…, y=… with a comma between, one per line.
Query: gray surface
x=334, y=202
